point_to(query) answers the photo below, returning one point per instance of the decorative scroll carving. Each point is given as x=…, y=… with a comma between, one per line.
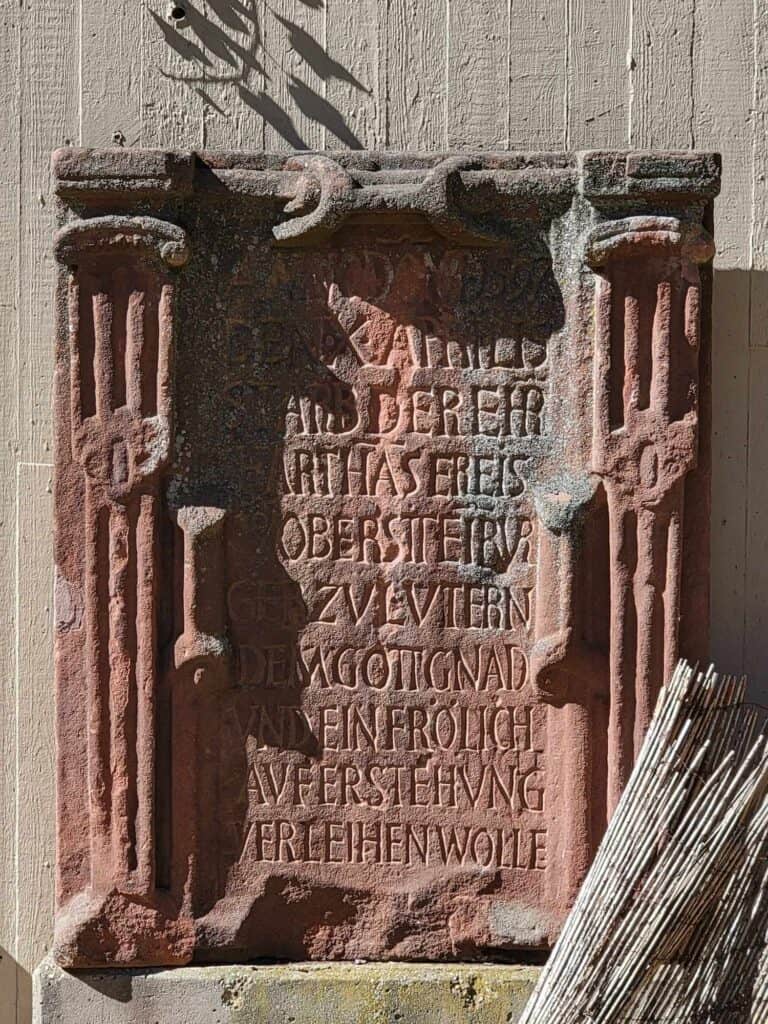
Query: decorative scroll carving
x=645, y=441
x=327, y=195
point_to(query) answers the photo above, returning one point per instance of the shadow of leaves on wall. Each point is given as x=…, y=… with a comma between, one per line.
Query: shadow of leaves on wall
x=222, y=42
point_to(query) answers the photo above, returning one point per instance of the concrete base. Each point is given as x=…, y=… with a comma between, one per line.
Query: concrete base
x=338, y=993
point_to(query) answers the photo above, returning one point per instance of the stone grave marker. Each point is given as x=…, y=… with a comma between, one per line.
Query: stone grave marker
x=381, y=514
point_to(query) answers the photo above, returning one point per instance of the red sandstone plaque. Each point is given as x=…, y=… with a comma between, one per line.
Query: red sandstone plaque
x=377, y=479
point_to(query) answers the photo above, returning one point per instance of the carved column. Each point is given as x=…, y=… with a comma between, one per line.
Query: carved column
x=568, y=673
x=202, y=662
x=120, y=295
x=645, y=439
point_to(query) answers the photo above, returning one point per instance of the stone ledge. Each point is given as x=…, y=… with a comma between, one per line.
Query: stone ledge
x=338, y=993
x=85, y=174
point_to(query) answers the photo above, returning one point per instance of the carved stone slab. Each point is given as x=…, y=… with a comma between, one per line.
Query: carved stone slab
x=381, y=513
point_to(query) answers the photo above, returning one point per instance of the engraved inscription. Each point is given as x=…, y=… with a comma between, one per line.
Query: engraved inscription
x=409, y=536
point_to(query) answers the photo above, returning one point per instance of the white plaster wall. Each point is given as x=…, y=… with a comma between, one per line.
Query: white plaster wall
x=399, y=74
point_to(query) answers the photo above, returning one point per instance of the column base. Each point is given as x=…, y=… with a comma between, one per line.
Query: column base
x=309, y=993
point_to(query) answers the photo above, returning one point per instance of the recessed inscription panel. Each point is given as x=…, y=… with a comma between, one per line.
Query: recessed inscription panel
x=382, y=732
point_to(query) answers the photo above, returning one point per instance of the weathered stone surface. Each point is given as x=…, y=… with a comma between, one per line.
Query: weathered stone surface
x=295, y=994
x=377, y=481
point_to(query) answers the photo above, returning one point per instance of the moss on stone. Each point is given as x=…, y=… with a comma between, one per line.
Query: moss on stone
x=380, y=993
